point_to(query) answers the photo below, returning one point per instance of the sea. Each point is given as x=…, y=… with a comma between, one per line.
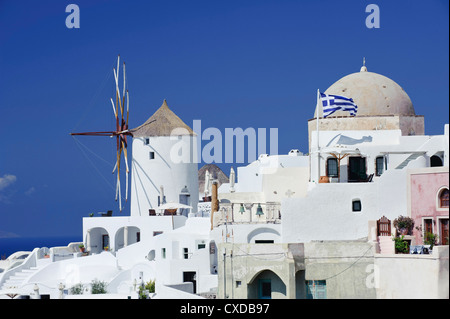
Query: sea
x=11, y=245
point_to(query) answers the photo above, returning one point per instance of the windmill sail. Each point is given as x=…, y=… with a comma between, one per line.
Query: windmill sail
x=121, y=132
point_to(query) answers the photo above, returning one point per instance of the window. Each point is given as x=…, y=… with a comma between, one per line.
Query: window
x=356, y=205
x=332, y=167
x=428, y=226
x=316, y=289
x=163, y=253
x=146, y=141
x=379, y=168
x=152, y=155
x=201, y=246
x=264, y=241
x=443, y=198
x=185, y=253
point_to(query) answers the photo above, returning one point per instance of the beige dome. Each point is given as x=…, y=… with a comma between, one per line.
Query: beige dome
x=374, y=94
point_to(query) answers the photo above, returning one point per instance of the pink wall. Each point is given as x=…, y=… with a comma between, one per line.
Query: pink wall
x=423, y=200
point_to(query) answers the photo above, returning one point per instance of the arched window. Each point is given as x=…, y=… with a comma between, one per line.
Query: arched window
x=443, y=198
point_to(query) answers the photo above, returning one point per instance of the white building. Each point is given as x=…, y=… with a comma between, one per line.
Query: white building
x=289, y=227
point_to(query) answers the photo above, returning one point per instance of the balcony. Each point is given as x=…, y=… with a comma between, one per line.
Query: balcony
x=248, y=213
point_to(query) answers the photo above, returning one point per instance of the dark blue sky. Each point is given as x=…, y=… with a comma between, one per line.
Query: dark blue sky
x=229, y=63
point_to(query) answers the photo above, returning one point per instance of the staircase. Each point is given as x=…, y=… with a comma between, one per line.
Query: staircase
x=386, y=245
x=18, y=278
x=410, y=158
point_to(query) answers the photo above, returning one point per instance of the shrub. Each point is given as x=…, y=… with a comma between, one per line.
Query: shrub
x=401, y=246
x=77, y=289
x=148, y=288
x=98, y=287
x=430, y=239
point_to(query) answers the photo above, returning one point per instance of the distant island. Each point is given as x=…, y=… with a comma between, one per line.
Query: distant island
x=5, y=234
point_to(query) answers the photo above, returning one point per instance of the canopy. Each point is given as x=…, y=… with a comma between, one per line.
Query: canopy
x=341, y=150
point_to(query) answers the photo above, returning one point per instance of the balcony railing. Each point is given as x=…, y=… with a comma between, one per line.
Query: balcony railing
x=248, y=213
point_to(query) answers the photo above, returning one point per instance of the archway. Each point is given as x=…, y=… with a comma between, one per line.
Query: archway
x=435, y=161
x=97, y=240
x=126, y=236
x=266, y=285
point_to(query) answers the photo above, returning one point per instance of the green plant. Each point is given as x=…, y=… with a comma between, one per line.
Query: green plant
x=77, y=289
x=91, y=215
x=148, y=288
x=98, y=287
x=430, y=239
x=404, y=223
x=401, y=245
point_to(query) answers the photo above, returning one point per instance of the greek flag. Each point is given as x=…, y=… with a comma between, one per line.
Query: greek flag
x=332, y=103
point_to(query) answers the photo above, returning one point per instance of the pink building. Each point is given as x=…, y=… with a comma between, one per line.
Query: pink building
x=428, y=202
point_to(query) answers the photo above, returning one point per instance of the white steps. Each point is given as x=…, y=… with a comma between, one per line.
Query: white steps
x=18, y=279
x=386, y=245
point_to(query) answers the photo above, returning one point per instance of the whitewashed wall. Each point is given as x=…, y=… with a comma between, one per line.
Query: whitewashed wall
x=148, y=175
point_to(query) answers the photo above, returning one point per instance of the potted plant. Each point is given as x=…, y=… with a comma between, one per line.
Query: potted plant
x=145, y=292
x=82, y=248
x=430, y=239
x=404, y=225
x=401, y=245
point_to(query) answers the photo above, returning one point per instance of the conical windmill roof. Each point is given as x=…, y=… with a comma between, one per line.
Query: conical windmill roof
x=164, y=122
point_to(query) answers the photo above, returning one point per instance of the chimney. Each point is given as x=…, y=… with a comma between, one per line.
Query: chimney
x=214, y=201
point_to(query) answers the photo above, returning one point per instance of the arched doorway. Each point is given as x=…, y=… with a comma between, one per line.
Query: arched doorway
x=266, y=285
x=126, y=236
x=97, y=240
x=435, y=161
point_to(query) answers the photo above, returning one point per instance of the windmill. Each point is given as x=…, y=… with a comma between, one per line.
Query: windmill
x=121, y=132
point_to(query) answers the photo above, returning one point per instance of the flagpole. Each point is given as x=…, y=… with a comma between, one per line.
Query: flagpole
x=317, y=130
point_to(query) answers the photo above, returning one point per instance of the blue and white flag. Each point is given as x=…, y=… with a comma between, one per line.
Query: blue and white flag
x=332, y=103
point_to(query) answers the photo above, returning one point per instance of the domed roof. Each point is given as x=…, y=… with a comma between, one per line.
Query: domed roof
x=374, y=94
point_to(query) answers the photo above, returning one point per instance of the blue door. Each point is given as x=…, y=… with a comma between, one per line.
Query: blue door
x=264, y=289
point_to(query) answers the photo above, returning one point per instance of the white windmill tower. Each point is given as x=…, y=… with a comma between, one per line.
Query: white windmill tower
x=164, y=156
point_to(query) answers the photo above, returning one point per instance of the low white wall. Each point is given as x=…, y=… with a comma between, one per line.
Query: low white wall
x=413, y=276
x=78, y=270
